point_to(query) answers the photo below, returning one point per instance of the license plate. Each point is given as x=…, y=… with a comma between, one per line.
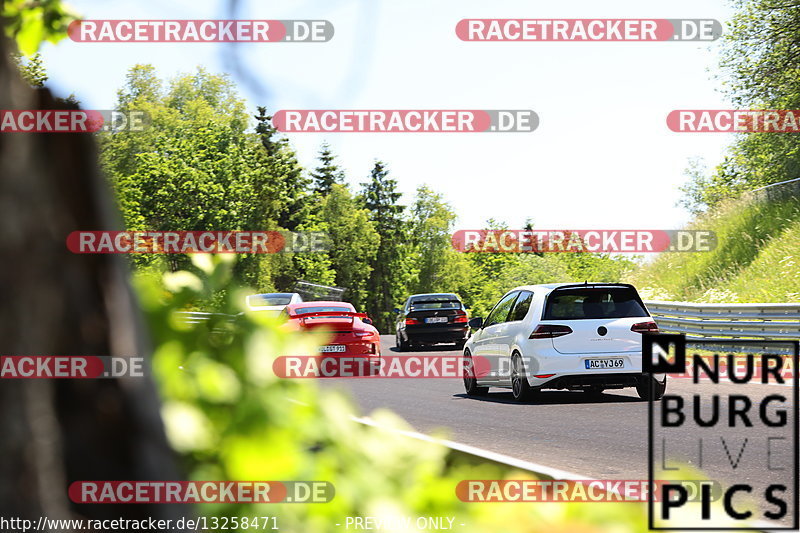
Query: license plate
x=436, y=319
x=596, y=364
x=332, y=348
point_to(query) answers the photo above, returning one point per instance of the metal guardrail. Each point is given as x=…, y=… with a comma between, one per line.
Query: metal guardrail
x=729, y=322
x=776, y=191
x=197, y=317
x=723, y=322
x=706, y=321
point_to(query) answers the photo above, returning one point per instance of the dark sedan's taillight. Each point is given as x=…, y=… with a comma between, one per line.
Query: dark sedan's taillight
x=550, y=331
x=645, y=327
x=461, y=318
x=411, y=321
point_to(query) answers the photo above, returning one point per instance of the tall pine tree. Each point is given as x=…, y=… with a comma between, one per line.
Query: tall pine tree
x=287, y=191
x=327, y=173
x=388, y=282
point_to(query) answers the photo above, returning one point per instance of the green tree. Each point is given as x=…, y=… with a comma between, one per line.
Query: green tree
x=354, y=244
x=390, y=267
x=489, y=264
x=286, y=187
x=760, y=59
x=188, y=171
x=31, y=69
x=492, y=274
x=142, y=86
x=438, y=266
x=195, y=167
x=585, y=266
x=281, y=271
x=327, y=174
x=431, y=221
x=759, y=66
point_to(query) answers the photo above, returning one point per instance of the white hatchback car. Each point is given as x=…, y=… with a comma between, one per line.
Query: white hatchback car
x=585, y=336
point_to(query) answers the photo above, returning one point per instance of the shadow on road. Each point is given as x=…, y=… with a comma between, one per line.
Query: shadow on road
x=426, y=349
x=554, y=398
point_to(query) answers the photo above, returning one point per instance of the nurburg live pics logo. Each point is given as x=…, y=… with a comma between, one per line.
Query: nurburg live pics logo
x=724, y=425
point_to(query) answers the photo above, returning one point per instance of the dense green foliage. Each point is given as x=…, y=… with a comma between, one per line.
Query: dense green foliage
x=30, y=23
x=198, y=167
x=759, y=70
x=757, y=258
x=759, y=235
x=31, y=69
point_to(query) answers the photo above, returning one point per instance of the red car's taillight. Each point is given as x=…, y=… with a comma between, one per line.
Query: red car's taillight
x=411, y=321
x=361, y=333
x=645, y=327
x=549, y=331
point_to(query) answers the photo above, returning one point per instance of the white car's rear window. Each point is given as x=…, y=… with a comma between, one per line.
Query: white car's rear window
x=593, y=303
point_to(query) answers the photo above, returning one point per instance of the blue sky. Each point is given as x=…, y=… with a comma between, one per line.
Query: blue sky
x=601, y=158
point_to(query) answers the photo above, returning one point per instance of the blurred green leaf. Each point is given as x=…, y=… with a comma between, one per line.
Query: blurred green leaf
x=31, y=22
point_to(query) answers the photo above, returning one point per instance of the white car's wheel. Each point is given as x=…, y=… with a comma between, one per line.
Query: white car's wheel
x=470, y=383
x=651, y=387
x=520, y=388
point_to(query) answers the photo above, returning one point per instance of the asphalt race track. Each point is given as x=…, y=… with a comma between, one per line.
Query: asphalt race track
x=604, y=437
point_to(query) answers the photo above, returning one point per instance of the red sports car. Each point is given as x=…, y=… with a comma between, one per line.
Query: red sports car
x=353, y=333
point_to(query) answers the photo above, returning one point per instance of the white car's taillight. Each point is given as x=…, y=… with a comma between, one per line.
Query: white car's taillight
x=645, y=327
x=549, y=331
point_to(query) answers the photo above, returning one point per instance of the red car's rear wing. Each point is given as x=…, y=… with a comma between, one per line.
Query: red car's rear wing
x=346, y=314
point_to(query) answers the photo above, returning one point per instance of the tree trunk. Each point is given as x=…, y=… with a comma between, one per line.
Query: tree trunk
x=54, y=432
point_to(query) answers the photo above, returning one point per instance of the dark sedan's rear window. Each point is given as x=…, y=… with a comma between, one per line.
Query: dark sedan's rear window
x=435, y=303
x=593, y=302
